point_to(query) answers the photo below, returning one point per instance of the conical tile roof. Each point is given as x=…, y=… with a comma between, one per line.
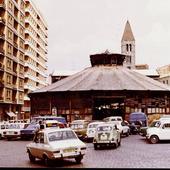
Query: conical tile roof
x=128, y=35
x=105, y=78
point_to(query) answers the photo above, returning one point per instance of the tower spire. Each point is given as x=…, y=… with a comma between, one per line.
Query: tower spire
x=128, y=35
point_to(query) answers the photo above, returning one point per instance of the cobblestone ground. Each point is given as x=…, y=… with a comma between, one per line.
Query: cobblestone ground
x=134, y=152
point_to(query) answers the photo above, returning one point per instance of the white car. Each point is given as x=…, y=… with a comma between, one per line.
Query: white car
x=13, y=130
x=123, y=128
x=161, y=131
x=3, y=127
x=54, y=143
x=91, y=129
x=106, y=134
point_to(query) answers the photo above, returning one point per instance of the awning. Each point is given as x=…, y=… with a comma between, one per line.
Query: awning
x=11, y=114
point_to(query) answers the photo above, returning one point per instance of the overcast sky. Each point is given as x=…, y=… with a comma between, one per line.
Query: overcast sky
x=79, y=28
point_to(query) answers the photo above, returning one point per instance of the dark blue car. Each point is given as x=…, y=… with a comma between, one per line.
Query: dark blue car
x=29, y=131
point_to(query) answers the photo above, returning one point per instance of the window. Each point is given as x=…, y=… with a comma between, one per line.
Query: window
x=9, y=49
x=10, y=6
x=127, y=47
x=9, y=34
x=130, y=46
x=9, y=63
x=167, y=125
x=10, y=20
x=9, y=79
x=8, y=94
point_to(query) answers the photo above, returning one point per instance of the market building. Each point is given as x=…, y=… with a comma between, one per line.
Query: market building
x=104, y=89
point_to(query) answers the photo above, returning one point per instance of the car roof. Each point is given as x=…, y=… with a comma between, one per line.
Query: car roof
x=106, y=124
x=47, y=130
x=51, y=121
x=97, y=122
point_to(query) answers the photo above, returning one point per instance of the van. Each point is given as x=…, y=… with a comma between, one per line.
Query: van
x=138, y=117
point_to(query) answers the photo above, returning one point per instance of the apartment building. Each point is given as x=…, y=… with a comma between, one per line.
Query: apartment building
x=23, y=42
x=35, y=52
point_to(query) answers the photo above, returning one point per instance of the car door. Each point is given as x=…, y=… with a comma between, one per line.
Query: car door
x=165, y=131
x=38, y=146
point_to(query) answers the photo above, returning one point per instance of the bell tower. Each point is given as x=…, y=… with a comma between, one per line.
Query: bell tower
x=128, y=47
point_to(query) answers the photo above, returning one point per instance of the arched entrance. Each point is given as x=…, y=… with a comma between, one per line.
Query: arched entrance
x=104, y=106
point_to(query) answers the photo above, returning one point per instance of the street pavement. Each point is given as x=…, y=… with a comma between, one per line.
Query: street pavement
x=134, y=152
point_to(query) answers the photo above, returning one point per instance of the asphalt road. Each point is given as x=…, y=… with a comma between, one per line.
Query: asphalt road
x=134, y=152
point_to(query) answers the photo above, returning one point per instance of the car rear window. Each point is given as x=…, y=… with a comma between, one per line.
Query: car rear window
x=104, y=128
x=61, y=135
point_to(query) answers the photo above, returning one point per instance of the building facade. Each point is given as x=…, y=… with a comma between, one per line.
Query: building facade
x=35, y=52
x=13, y=58
x=164, y=73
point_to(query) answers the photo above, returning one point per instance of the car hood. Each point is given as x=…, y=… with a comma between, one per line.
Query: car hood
x=67, y=144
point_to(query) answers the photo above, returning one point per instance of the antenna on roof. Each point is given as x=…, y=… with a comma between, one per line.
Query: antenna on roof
x=107, y=51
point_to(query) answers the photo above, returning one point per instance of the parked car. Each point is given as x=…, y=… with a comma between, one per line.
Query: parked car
x=53, y=123
x=29, y=131
x=80, y=128
x=161, y=131
x=36, y=119
x=143, y=130
x=3, y=127
x=106, y=134
x=123, y=128
x=91, y=129
x=52, y=143
x=14, y=130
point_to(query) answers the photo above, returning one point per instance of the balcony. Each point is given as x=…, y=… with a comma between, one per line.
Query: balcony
x=1, y=83
x=15, y=45
x=2, y=36
x=1, y=98
x=2, y=20
x=1, y=67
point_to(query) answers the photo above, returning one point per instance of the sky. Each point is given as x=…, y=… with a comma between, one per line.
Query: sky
x=79, y=28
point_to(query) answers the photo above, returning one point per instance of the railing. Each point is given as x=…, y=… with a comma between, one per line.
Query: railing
x=2, y=51
x=15, y=45
x=2, y=35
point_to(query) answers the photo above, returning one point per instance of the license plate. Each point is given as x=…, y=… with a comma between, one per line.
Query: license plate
x=69, y=150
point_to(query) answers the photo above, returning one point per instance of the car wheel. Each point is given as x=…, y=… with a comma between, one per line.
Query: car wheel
x=119, y=143
x=154, y=139
x=95, y=146
x=127, y=134
x=46, y=160
x=78, y=159
x=0, y=136
x=31, y=157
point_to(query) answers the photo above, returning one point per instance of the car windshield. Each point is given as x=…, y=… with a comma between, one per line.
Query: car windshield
x=61, y=135
x=104, y=128
x=14, y=126
x=93, y=125
x=32, y=126
x=77, y=126
x=154, y=124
